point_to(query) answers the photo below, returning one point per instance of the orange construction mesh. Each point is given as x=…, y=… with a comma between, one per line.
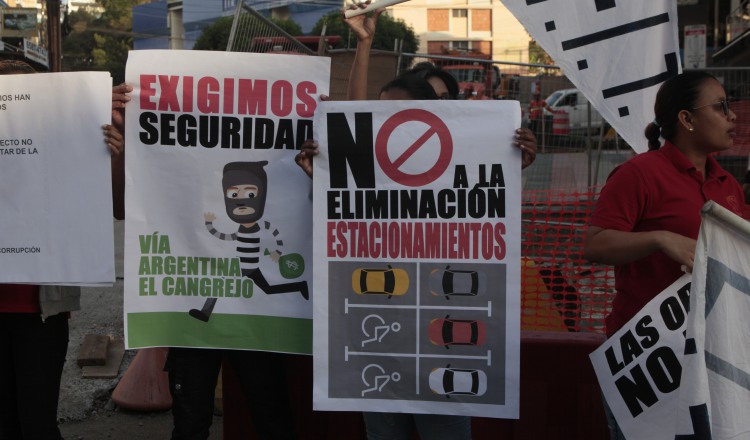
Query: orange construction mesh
x=560, y=291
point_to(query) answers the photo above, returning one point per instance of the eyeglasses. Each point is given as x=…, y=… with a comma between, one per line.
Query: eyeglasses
x=724, y=103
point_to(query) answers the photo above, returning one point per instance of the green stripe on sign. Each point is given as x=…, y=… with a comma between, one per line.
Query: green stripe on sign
x=243, y=332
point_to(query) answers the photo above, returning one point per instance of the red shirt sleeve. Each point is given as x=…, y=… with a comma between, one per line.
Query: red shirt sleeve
x=622, y=200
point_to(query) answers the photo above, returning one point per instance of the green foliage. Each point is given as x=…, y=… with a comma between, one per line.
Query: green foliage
x=289, y=26
x=388, y=30
x=537, y=55
x=99, y=42
x=216, y=35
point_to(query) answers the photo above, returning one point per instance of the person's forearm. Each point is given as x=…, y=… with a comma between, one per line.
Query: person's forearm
x=608, y=246
x=118, y=186
x=357, y=88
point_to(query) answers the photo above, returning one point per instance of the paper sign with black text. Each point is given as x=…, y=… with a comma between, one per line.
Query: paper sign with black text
x=417, y=257
x=56, y=184
x=639, y=366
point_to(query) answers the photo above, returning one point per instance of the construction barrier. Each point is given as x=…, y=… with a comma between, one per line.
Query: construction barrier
x=145, y=384
x=553, y=229
x=560, y=124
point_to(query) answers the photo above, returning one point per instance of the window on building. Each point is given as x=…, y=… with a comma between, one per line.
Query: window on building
x=461, y=45
x=460, y=13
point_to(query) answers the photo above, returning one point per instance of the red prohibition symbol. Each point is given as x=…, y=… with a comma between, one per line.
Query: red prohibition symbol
x=392, y=166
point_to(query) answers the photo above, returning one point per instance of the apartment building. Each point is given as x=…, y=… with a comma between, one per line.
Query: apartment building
x=466, y=26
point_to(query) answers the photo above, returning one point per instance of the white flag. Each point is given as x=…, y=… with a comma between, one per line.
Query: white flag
x=617, y=54
x=715, y=391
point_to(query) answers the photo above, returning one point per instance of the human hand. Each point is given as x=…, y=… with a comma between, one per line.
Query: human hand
x=363, y=25
x=305, y=156
x=119, y=99
x=679, y=248
x=526, y=142
x=209, y=217
x=114, y=140
x=274, y=256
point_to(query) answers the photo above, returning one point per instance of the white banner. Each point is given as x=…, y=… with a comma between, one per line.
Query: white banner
x=218, y=234
x=715, y=398
x=56, y=191
x=417, y=251
x=616, y=53
x=639, y=366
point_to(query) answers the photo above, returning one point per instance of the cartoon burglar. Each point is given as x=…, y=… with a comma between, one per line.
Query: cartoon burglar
x=245, y=187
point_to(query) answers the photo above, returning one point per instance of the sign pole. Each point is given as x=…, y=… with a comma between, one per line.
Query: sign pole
x=53, y=34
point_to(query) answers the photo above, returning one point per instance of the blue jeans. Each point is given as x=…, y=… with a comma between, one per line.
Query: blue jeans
x=393, y=426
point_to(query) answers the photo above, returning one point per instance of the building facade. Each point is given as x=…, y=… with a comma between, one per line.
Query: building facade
x=466, y=26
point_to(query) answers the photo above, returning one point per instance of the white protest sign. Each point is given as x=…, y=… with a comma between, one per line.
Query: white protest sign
x=218, y=235
x=56, y=192
x=616, y=53
x=639, y=366
x=417, y=252
x=714, y=399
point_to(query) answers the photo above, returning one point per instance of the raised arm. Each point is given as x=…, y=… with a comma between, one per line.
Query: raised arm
x=363, y=26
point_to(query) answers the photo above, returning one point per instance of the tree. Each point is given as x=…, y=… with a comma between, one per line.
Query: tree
x=389, y=29
x=537, y=55
x=99, y=42
x=216, y=35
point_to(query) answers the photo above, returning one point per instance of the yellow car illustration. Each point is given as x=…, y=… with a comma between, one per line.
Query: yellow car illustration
x=388, y=281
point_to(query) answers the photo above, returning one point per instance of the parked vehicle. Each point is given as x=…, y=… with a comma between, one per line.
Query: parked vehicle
x=388, y=281
x=458, y=381
x=447, y=332
x=476, y=80
x=452, y=282
x=572, y=102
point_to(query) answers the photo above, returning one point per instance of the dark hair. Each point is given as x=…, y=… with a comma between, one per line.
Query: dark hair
x=418, y=88
x=9, y=67
x=427, y=70
x=676, y=94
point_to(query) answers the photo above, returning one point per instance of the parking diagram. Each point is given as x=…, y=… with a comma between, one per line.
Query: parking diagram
x=375, y=378
x=374, y=328
x=422, y=331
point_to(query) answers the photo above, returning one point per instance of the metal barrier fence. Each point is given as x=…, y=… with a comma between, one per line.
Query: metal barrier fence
x=252, y=32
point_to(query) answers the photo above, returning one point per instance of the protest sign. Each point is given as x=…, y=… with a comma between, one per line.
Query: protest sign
x=596, y=43
x=417, y=252
x=639, y=366
x=715, y=395
x=56, y=192
x=218, y=235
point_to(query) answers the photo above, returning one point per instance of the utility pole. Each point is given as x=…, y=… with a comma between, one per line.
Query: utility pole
x=54, y=44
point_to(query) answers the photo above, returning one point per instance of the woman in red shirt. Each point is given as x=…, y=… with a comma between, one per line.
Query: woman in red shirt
x=647, y=218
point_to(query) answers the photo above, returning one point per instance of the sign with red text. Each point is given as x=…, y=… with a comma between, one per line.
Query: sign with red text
x=417, y=250
x=217, y=234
